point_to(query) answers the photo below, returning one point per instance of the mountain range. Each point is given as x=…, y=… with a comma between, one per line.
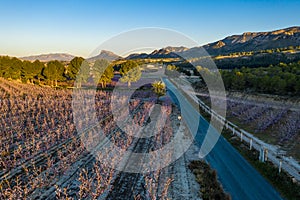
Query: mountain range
x=248, y=41
x=49, y=57
x=254, y=41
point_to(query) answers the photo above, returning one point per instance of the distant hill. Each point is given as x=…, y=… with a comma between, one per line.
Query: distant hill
x=254, y=41
x=176, y=49
x=49, y=57
x=104, y=54
x=168, y=52
x=137, y=56
x=264, y=49
x=163, y=53
x=248, y=41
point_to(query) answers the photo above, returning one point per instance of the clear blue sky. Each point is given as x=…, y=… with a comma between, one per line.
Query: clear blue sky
x=78, y=27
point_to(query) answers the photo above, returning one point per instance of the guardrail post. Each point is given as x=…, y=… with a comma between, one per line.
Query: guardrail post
x=262, y=154
x=280, y=166
x=241, y=136
x=233, y=131
x=251, y=140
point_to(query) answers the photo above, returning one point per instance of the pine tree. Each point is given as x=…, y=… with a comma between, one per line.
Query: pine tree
x=130, y=72
x=27, y=72
x=83, y=74
x=159, y=88
x=54, y=72
x=102, y=72
x=37, y=70
x=14, y=69
x=73, y=67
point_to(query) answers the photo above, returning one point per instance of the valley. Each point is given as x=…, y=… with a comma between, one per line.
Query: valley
x=92, y=128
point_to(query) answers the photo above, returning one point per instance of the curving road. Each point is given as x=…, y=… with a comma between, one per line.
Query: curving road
x=237, y=176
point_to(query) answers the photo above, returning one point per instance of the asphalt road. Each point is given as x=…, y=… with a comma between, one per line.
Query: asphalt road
x=237, y=176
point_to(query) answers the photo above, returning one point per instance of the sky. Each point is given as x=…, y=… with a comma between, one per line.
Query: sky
x=78, y=27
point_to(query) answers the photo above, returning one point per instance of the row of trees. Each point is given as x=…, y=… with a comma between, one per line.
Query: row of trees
x=33, y=72
x=14, y=68
x=276, y=50
x=259, y=60
x=282, y=79
x=102, y=71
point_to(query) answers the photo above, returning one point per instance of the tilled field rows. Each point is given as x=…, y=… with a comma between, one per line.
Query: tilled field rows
x=37, y=168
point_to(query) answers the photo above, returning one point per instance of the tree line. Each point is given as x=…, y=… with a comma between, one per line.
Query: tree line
x=255, y=60
x=274, y=50
x=78, y=69
x=281, y=79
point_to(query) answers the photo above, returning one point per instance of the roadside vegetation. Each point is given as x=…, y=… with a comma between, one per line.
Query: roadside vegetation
x=210, y=187
x=159, y=88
